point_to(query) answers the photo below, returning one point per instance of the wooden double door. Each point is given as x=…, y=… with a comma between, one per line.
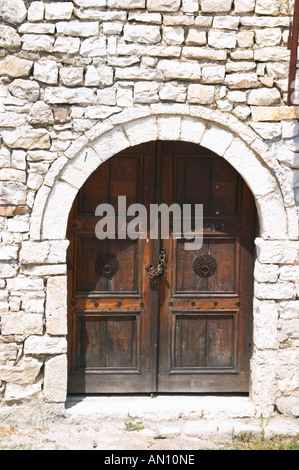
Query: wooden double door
x=188, y=329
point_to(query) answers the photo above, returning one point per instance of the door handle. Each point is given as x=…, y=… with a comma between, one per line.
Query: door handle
x=157, y=271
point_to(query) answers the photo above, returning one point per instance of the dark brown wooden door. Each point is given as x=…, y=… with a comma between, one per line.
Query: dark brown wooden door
x=191, y=330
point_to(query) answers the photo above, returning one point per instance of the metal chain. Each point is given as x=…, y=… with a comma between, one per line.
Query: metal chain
x=161, y=267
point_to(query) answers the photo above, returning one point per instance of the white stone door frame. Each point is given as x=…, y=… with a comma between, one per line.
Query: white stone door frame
x=220, y=132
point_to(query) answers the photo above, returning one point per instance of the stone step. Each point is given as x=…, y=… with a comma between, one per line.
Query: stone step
x=208, y=417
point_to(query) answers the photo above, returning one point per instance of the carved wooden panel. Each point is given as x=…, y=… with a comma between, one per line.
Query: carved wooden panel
x=203, y=341
x=222, y=279
x=107, y=342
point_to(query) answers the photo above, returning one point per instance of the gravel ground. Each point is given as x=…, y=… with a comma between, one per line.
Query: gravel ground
x=110, y=436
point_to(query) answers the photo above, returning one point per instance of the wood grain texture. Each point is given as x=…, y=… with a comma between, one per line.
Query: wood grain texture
x=186, y=333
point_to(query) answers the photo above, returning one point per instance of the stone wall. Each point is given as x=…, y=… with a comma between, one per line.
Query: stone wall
x=84, y=79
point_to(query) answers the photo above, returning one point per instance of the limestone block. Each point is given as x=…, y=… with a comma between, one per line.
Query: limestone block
x=36, y=11
x=46, y=71
x=201, y=94
x=15, y=67
x=71, y=76
x=245, y=39
x=8, y=353
x=178, y=20
x=12, y=193
x=8, y=269
x=146, y=92
x=25, y=89
x=15, y=392
x=57, y=253
x=288, y=310
x=265, y=272
x=136, y=73
x=102, y=112
x=145, y=34
x=180, y=70
x=242, y=80
x=271, y=54
x=106, y=96
x=18, y=224
x=146, y=17
x=91, y=3
x=265, y=324
x=273, y=219
x=221, y=40
x=264, y=113
x=27, y=138
x=41, y=345
x=173, y=35
x=268, y=36
x=67, y=45
x=93, y=47
x=290, y=129
x=128, y=4
x=244, y=6
x=9, y=38
x=226, y=22
x=55, y=381
x=4, y=157
x=11, y=119
x=288, y=406
x=192, y=131
x=10, y=174
x=289, y=273
x=169, y=127
x=281, y=252
x=196, y=37
x=24, y=373
x=13, y=11
x=112, y=28
x=34, y=252
x=25, y=284
x=78, y=28
x=37, y=28
x=204, y=21
x=8, y=253
x=43, y=270
x=59, y=11
x=163, y=5
x=111, y=143
x=58, y=207
x=172, y=92
x=77, y=171
x=142, y=130
x=56, y=309
x=267, y=131
x=151, y=51
x=216, y=6
x=40, y=113
x=22, y=324
x=267, y=7
x=38, y=43
x=62, y=95
x=264, y=97
x=218, y=140
x=213, y=74
x=190, y=6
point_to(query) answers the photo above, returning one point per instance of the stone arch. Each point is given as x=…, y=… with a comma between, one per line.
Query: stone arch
x=219, y=132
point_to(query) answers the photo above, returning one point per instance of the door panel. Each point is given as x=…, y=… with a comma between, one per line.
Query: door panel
x=110, y=319
x=190, y=331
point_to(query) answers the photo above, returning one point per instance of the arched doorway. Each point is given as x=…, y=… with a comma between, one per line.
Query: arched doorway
x=191, y=329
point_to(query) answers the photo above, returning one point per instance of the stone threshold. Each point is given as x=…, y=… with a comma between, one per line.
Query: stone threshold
x=189, y=416
x=160, y=407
